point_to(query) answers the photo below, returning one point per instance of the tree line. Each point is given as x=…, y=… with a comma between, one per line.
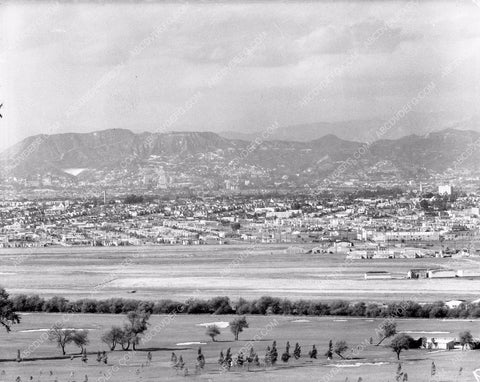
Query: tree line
x=262, y=306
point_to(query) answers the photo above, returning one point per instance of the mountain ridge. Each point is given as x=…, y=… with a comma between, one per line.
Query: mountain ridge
x=208, y=155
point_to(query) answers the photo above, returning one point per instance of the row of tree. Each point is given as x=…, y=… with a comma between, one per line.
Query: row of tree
x=261, y=306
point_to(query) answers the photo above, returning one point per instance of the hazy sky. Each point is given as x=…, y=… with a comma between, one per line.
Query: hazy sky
x=83, y=67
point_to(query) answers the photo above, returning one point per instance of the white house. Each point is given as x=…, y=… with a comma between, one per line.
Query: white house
x=441, y=343
x=454, y=304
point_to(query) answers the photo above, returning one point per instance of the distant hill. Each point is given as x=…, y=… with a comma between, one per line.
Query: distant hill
x=209, y=156
x=363, y=130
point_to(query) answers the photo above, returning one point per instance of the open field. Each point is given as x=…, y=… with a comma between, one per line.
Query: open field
x=372, y=363
x=237, y=271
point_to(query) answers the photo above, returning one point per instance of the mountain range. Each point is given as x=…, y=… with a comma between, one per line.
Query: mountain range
x=206, y=156
x=365, y=130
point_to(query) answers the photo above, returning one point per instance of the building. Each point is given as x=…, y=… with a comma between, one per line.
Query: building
x=441, y=273
x=445, y=190
x=378, y=275
x=412, y=236
x=468, y=273
x=441, y=343
x=454, y=304
x=417, y=273
x=358, y=254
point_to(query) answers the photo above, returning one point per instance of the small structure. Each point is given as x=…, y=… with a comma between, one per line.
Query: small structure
x=441, y=343
x=377, y=275
x=468, y=273
x=417, y=273
x=294, y=250
x=358, y=254
x=441, y=274
x=454, y=304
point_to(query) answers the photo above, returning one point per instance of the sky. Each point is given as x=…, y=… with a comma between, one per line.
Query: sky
x=217, y=66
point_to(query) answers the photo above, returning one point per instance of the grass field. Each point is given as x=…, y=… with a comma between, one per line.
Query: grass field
x=371, y=363
x=235, y=271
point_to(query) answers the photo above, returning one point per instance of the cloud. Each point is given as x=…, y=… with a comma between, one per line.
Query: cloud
x=342, y=39
x=58, y=54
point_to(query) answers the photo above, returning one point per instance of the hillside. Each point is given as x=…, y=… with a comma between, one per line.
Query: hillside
x=206, y=156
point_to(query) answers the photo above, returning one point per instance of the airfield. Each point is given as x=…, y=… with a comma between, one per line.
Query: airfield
x=247, y=271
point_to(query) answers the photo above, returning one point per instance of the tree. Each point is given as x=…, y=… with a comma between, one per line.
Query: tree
x=286, y=355
x=237, y=326
x=228, y=358
x=313, y=353
x=8, y=317
x=173, y=359
x=340, y=348
x=329, y=352
x=424, y=204
x=180, y=363
x=252, y=357
x=80, y=338
x=268, y=356
x=240, y=359
x=399, y=373
x=61, y=336
x=387, y=329
x=212, y=331
x=220, y=305
x=465, y=338
x=274, y=353
x=297, y=352
x=399, y=343
x=113, y=337
x=137, y=324
x=126, y=339
x=200, y=359
x=221, y=358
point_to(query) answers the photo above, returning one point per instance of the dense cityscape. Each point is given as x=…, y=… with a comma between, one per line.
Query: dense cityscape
x=372, y=219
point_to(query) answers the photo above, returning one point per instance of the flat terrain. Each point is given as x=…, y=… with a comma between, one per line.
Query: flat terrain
x=371, y=363
x=237, y=271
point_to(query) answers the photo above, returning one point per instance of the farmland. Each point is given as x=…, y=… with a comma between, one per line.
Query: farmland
x=236, y=271
x=180, y=334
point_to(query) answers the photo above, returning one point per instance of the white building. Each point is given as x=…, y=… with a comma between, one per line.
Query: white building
x=445, y=190
x=378, y=275
x=441, y=343
x=454, y=304
x=441, y=274
x=468, y=272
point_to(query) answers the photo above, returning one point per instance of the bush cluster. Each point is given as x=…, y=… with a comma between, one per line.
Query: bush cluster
x=261, y=306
